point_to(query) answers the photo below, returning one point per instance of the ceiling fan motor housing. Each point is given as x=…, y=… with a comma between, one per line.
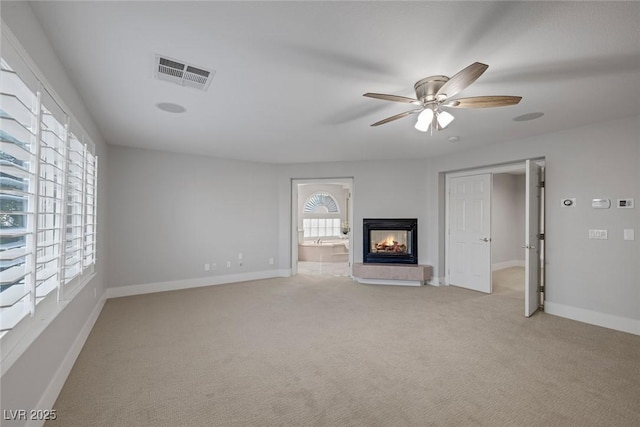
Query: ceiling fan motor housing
x=427, y=88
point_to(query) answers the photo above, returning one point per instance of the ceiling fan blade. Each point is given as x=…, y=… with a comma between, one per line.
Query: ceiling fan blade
x=483, y=102
x=394, y=98
x=396, y=117
x=463, y=79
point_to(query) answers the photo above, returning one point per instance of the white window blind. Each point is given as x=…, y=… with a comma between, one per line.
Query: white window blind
x=50, y=197
x=320, y=202
x=18, y=130
x=48, y=180
x=75, y=212
x=89, y=238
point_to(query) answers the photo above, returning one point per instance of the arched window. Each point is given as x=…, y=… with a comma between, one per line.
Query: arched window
x=320, y=202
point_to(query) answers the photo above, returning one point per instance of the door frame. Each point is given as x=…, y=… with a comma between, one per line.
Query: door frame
x=495, y=169
x=295, y=182
x=532, y=242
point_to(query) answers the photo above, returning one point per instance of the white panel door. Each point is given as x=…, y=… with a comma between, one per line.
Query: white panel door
x=532, y=231
x=470, y=232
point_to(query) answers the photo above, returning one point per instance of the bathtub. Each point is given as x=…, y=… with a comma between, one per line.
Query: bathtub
x=326, y=251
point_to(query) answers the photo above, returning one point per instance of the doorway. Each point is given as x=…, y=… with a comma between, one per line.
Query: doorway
x=322, y=214
x=507, y=233
x=494, y=219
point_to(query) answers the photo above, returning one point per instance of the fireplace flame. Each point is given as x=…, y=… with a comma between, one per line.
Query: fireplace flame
x=389, y=241
x=390, y=244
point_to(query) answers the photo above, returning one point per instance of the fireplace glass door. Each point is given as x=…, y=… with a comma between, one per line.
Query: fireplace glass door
x=390, y=240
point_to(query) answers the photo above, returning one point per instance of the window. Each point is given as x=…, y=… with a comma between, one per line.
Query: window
x=321, y=227
x=47, y=196
x=320, y=203
x=320, y=216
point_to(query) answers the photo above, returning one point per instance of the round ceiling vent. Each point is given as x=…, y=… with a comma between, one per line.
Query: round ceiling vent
x=170, y=107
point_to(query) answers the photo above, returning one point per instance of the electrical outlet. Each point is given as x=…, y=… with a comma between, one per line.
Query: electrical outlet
x=207, y=267
x=271, y=261
x=240, y=256
x=228, y=264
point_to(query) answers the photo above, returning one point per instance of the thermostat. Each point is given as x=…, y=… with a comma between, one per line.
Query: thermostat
x=601, y=203
x=625, y=203
x=567, y=202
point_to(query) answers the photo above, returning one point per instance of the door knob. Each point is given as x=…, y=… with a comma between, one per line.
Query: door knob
x=486, y=239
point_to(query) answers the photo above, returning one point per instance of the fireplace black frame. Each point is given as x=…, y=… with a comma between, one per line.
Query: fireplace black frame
x=407, y=224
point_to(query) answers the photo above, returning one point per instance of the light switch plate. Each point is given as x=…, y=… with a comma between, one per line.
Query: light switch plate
x=601, y=203
x=629, y=234
x=598, y=234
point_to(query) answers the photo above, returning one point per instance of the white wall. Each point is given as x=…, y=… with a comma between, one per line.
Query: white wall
x=507, y=220
x=169, y=214
x=591, y=280
x=34, y=380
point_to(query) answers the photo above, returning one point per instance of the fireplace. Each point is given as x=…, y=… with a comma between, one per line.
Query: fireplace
x=390, y=240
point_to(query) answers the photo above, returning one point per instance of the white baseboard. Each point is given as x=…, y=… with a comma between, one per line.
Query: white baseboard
x=507, y=264
x=610, y=321
x=175, y=285
x=50, y=395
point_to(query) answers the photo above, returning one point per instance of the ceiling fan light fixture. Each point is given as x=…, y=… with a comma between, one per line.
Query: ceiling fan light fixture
x=424, y=119
x=444, y=119
x=422, y=126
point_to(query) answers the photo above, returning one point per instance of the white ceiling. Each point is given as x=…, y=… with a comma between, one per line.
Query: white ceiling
x=290, y=75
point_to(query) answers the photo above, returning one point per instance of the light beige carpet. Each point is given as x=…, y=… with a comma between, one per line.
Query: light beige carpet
x=326, y=351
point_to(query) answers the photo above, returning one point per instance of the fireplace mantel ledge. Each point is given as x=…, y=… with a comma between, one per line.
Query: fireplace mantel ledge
x=392, y=274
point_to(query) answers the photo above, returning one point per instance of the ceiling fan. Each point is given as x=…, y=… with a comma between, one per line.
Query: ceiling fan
x=435, y=92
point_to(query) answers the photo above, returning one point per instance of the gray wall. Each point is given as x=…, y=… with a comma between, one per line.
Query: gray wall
x=596, y=161
x=401, y=194
x=32, y=375
x=169, y=214
x=507, y=218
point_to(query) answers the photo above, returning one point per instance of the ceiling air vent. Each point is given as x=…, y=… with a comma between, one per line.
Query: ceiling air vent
x=182, y=73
